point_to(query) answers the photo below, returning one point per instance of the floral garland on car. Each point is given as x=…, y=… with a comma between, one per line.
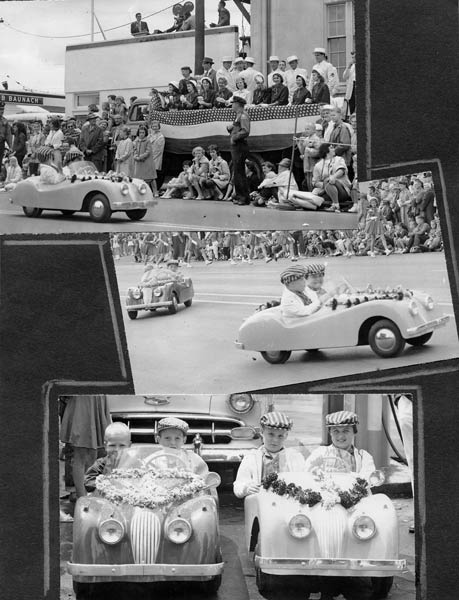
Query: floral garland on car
x=151, y=494
x=360, y=296
x=329, y=494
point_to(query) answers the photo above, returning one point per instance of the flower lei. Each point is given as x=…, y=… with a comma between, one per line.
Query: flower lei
x=152, y=494
x=328, y=496
x=369, y=294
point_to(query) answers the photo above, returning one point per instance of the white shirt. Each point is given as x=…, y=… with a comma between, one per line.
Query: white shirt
x=292, y=306
x=229, y=76
x=249, y=75
x=55, y=138
x=349, y=77
x=330, y=75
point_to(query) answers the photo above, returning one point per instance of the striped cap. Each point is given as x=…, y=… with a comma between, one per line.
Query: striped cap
x=342, y=417
x=44, y=152
x=316, y=269
x=293, y=273
x=172, y=423
x=277, y=420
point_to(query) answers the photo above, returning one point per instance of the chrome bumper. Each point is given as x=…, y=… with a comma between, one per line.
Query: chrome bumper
x=426, y=327
x=355, y=567
x=133, y=204
x=145, y=572
x=149, y=306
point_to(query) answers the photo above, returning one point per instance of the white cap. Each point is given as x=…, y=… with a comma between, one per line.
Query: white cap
x=250, y=59
x=227, y=59
x=328, y=106
x=319, y=51
x=274, y=58
x=290, y=58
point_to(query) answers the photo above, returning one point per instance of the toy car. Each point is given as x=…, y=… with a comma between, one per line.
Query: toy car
x=223, y=428
x=85, y=191
x=150, y=519
x=325, y=522
x=384, y=319
x=161, y=289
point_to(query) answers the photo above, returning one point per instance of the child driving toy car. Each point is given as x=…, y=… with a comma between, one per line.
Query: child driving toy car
x=171, y=436
x=271, y=457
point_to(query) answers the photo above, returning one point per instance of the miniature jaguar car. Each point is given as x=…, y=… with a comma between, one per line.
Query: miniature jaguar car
x=322, y=522
x=163, y=289
x=383, y=319
x=150, y=519
x=85, y=191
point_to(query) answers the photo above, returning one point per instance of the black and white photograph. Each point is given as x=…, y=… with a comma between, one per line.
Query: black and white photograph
x=310, y=493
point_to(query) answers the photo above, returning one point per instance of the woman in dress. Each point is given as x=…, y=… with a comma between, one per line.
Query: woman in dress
x=241, y=91
x=54, y=139
x=124, y=157
x=278, y=91
x=174, y=101
x=207, y=97
x=120, y=108
x=36, y=140
x=301, y=94
x=374, y=227
x=219, y=171
x=20, y=142
x=320, y=92
x=197, y=179
x=144, y=164
x=13, y=175
x=190, y=100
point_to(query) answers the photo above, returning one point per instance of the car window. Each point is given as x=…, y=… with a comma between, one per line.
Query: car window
x=146, y=457
x=81, y=168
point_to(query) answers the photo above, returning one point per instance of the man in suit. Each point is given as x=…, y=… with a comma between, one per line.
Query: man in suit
x=92, y=142
x=209, y=71
x=139, y=27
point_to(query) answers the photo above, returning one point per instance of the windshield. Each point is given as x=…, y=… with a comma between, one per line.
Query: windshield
x=157, y=276
x=81, y=168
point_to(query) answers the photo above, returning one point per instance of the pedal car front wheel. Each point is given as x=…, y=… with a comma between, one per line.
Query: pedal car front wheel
x=30, y=211
x=276, y=357
x=381, y=586
x=385, y=338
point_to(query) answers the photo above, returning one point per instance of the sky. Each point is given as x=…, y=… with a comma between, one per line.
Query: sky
x=38, y=62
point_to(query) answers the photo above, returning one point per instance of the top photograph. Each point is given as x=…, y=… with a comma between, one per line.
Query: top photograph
x=158, y=116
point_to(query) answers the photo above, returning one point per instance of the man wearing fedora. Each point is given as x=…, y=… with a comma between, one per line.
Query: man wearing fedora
x=139, y=27
x=330, y=74
x=209, y=71
x=239, y=131
x=92, y=142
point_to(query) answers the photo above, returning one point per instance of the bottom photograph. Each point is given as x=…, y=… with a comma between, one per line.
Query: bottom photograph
x=238, y=496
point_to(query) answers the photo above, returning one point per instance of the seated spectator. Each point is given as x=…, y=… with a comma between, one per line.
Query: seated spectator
x=189, y=20
x=252, y=175
x=199, y=174
x=186, y=76
x=284, y=182
x=330, y=178
x=223, y=93
x=177, y=185
x=278, y=92
x=13, y=175
x=190, y=100
x=207, y=97
x=223, y=15
x=400, y=238
x=260, y=94
x=319, y=92
x=418, y=236
x=139, y=27
x=434, y=242
x=219, y=174
x=261, y=196
x=301, y=93
x=241, y=91
x=174, y=97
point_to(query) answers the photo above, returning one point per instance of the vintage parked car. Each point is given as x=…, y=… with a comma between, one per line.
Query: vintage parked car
x=383, y=319
x=223, y=428
x=324, y=522
x=159, y=289
x=150, y=519
x=84, y=190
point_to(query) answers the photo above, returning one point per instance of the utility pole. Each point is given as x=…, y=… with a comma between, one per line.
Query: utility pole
x=199, y=44
x=92, y=20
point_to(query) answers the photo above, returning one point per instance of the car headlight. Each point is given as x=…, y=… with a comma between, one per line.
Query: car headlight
x=136, y=293
x=429, y=303
x=364, y=528
x=124, y=189
x=143, y=188
x=178, y=531
x=299, y=526
x=413, y=307
x=158, y=291
x=111, y=531
x=241, y=403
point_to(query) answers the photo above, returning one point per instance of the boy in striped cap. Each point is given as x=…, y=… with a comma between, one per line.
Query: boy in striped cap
x=171, y=436
x=298, y=300
x=271, y=457
x=342, y=426
x=315, y=279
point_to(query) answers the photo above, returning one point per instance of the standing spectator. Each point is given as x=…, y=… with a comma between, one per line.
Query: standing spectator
x=223, y=94
x=301, y=94
x=238, y=67
x=239, y=132
x=186, y=76
x=308, y=146
x=427, y=207
x=19, y=142
x=5, y=132
x=207, y=98
x=374, y=227
x=291, y=74
x=157, y=142
x=404, y=200
x=139, y=27
x=223, y=15
x=115, y=135
x=329, y=71
x=124, y=157
x=144, y=164
x=72, y=131
x=103, y=124
x=249, y=73
x=349, y=78
x=282, y=66
x=341, y=136
x=225, y=71
x=209, y=71
x=120, y=108
x=325, y=121
x=55, y=138
x=92, y=143
x=36, y=140
x=274, y=66
x=319, y=91
x=278, y=92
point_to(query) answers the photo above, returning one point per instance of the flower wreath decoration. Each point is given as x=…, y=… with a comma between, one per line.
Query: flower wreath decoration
x=328, y=496
x=152, y=493
x=369, y=294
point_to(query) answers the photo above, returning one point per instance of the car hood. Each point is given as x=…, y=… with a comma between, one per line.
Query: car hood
x=179, y=404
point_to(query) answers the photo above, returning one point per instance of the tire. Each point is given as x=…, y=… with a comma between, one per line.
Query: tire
x=385, y=339
x=420, y=340
x=99, y=208
x=381, y=586
x=264, y=581
x=132, y=314
x=68, y=213
x=278, y=357
x=173, y=308
x=188, y=303
x=212, y=586
x=83, y=591
x=136, y=215
x=31, y=212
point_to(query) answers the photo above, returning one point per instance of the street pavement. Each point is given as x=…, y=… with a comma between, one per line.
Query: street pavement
x=193, y=351
x=173, y=214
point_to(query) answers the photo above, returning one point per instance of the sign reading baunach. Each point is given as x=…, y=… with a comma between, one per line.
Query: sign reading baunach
x=19, y=98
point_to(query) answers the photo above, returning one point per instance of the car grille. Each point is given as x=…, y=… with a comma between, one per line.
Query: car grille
x=213, y=430
x=145, y=536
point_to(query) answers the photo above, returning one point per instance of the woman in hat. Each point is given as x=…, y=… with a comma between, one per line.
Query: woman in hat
x=190, y=100
x=174, y=97
x=342, y=428
x=241, y=91
x=207, y=97
x=319, y=91
x=278, y=95
x=144, y=165
x=260, y=93
x=301, y=93
x=281, y=186
x=271, y=457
